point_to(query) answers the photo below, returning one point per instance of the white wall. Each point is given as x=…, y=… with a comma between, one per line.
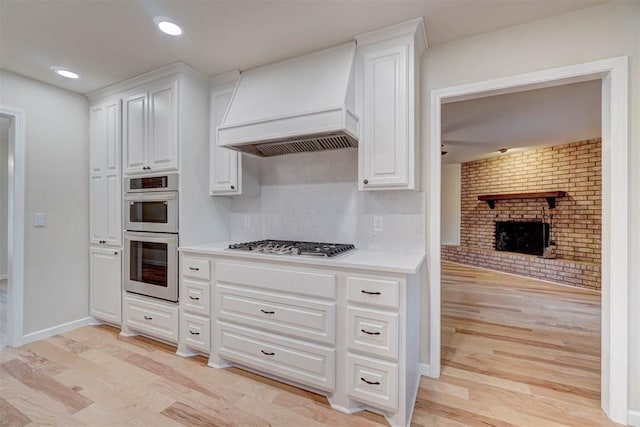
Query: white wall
x=314, y=196
x=450, y=204
x=604, y=31
x=56, y=287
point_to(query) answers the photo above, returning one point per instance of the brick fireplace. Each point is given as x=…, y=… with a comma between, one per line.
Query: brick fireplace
x=574, y=224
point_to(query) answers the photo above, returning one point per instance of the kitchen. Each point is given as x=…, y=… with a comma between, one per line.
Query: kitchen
x=355, y=210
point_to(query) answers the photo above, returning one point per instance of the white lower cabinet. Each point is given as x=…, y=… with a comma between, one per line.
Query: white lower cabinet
x=195, y=297
x=342, y=332
x=278, y=312
x=373, y=381
x=299, y=361
x=373, y=332
x=195, y=332
x=105, y=284
x=151, y=317
x=195, y=305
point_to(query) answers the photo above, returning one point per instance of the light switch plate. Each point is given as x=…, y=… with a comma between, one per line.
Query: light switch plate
x=39, y=220
x=377, y=224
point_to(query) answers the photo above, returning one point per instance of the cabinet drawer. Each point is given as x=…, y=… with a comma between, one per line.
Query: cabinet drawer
x=373, y=332
x=373, y=381
x=196, y=297
x=298, y=361
x=276, y=278
x=364, y=290
x=154, y=318
x=195, y=332
x=197, y=268
x=298, y=317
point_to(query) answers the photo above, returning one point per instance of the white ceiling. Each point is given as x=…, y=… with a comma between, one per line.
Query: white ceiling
x=109, y=41
x=477, y=128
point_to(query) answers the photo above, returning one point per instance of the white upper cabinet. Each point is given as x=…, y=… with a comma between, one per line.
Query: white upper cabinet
x=150, y=128
x=388, y=102
x=106, y=184
x=224, y=162
x=226, y=173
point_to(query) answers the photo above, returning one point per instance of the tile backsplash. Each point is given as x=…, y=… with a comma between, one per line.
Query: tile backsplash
x=315, y=197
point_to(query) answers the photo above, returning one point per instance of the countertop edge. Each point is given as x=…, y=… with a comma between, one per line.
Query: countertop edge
x=339, y=262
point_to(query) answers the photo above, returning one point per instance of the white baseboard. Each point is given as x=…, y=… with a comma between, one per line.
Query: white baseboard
x=633, y=418
x=54, y=330
x=425, y=370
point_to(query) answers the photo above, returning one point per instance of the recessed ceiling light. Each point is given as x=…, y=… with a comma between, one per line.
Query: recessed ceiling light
x=65, y=73
x=166, y=26
x=503, y=150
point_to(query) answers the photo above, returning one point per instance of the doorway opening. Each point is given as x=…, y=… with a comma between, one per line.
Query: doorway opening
x=14, y=122
x=613, y=75
x=5, y=125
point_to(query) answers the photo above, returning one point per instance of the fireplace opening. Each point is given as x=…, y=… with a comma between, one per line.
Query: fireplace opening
x=526, y=237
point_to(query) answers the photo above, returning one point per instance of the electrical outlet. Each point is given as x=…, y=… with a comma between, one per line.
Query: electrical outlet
x=377, y=224
x=247, y=221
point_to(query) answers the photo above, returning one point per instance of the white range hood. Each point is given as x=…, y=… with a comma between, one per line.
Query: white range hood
x=302, y=104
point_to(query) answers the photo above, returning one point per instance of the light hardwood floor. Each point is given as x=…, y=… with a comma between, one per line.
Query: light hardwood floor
x=515, y=352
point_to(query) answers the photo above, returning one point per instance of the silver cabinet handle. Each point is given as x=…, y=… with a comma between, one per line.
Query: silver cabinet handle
x=266, y=353
x=148, y=318
x=267, y=312
x=369, y=333
x=370, y=382
x=194, y=298
x=370, y=293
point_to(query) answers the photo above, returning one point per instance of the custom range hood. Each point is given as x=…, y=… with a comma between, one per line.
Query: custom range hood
x=302, y=104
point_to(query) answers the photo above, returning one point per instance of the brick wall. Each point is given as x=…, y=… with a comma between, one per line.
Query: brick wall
x=572, y=273
x=576, y=221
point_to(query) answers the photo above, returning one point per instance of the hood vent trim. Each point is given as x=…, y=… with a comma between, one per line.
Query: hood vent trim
x=302, y=104
x=317, y=142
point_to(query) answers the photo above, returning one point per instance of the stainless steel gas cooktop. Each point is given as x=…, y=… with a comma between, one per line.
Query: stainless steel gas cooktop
x=287, y=247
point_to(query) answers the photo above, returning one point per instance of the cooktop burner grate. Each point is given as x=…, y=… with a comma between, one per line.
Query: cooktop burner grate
x=288, y=247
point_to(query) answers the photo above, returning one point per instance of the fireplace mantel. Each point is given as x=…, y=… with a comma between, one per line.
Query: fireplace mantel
x=551, y=197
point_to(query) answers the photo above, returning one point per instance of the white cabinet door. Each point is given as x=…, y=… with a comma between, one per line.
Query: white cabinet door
x=97, y=139
x=106, y=284
x=97, y=209
x=162, y=145
x=223, y=170
x=112, y=157
x=150, y=128
x=113, y=209
x=105, y=175
x=134, y=132
x=385, y=136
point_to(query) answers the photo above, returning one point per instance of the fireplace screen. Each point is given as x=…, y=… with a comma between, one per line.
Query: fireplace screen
x=523, y=237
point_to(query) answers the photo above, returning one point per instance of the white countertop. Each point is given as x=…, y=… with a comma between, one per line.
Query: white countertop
x=389, y=261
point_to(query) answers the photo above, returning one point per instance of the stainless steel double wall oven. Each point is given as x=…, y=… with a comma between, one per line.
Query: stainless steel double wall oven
x=151, y=236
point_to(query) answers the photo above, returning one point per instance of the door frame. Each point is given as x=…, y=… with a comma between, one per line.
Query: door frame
x=614, y=74
x=15, y=225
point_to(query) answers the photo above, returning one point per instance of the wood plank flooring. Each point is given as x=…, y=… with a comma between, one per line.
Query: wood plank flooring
x=516, y=352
